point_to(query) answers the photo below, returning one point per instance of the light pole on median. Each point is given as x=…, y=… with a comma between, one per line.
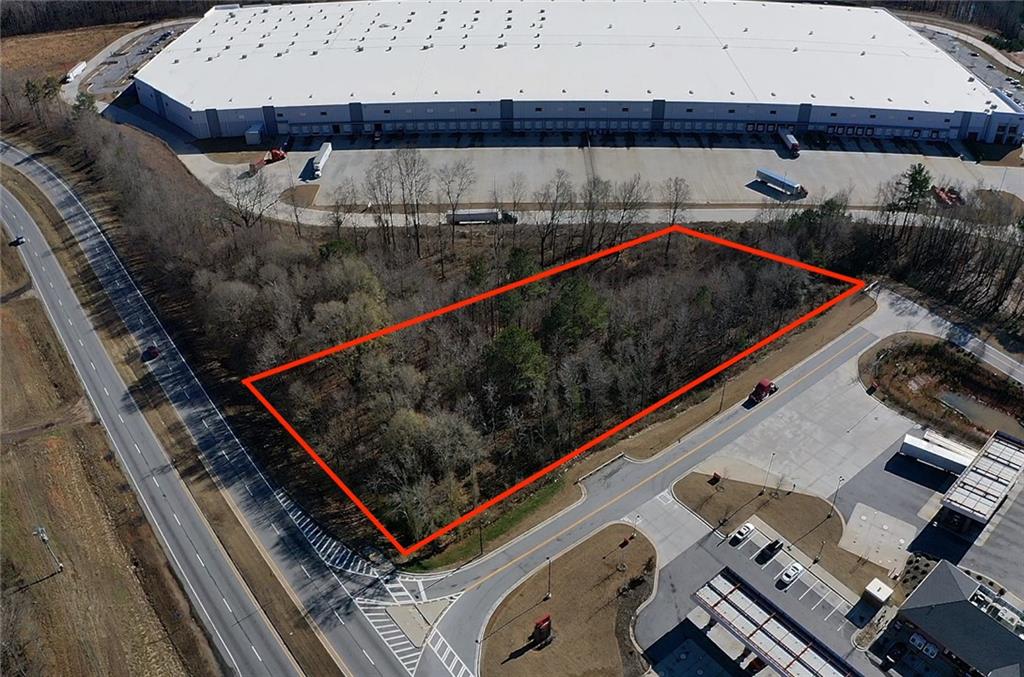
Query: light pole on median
x=835, y=497
x=548, y=596
x=767, y=472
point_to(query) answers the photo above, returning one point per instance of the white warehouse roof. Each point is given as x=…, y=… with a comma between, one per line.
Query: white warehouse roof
x=574, y=50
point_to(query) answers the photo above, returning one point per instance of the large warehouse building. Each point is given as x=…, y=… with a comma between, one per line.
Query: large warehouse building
x=603, y=65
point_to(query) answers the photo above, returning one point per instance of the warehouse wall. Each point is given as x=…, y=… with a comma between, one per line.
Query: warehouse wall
x=612, y=116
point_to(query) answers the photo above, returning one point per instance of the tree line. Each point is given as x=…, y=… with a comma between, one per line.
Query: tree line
x=435, y=417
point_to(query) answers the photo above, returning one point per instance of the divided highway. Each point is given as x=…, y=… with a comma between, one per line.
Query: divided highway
x=220, y=598
x=319, y=578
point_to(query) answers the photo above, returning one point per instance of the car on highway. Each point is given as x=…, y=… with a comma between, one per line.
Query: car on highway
x=790, y=574
x=743, y=533
x=17, y=242
x=150, y=353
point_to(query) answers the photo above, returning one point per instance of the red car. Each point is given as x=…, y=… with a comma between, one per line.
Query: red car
x=150, y=353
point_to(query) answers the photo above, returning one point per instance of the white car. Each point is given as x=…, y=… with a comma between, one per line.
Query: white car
x=791, y=573
x=743, y=533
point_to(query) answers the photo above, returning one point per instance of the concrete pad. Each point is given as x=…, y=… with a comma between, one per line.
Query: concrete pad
x=832, y=428
x=878, y=537
x=671, y=527
x=415, y=620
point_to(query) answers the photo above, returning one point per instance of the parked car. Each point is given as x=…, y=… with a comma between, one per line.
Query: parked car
x=918, y=642
x=743, y=533
x=17, y=242
x=150, y=353
x=974, y=54
x=896, y=652
x=772, y=548
x=791, y=573
x=930, y=650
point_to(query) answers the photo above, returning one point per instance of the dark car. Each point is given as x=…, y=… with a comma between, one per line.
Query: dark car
x=150, y=353
x=17, y=242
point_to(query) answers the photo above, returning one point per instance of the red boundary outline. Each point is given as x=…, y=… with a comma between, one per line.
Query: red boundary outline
x=249, y=381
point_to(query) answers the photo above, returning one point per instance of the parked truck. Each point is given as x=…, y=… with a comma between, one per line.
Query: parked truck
x=484, y=216
x=791, y=143
x=781, y=183
x=934, y=454
x=320, y=161
x=74, y=72
x=271, y=156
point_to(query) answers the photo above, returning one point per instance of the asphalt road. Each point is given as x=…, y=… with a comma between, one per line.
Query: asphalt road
x=326, y=579
x=221, y=599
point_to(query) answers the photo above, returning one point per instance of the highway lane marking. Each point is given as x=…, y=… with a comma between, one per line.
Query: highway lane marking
x=80, y=343
x=92, y=365
x=227, y=605
x=200, y=560
x=156, y=483
x=303, y=566
x=338, y=617
x=176, y=518
x=136, y=445
x=257, y=652
x=841, y=353
x=121, y=418
x=60, y=303
x=368, y=658
x=272, y=526
x=70, y=323
x=105, y=391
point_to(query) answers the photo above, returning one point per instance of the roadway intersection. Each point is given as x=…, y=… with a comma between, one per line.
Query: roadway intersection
x=348, y=598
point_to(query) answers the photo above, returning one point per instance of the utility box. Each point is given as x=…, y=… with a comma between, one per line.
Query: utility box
x=254, y=135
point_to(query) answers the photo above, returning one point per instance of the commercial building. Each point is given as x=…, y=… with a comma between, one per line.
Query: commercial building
x=705, y=66
x=970, y=625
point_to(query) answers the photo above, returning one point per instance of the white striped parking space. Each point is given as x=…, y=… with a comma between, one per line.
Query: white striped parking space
x=329, y=549
x=451, y=661
x=403, y=648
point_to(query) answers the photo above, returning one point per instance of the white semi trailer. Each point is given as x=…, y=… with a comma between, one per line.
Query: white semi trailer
x=320, y=161
x=791, y=143
x=935, y=454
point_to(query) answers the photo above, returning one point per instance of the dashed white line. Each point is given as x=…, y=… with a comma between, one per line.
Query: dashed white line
x=156, y=483
x=256, y=652
x=80, y=343
x=200, y=560
x=121, y=418
x=60, y=303
x=303, y=567
x=368, y=658
x=92, y=365
x=176, y=518
x=272, y=526
x=339, y=618
x=136, y=445
x=227, y=605
x=105, y=391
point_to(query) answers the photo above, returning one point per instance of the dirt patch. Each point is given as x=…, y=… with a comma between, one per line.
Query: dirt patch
x=301, y=196
x=801, y=519
x=596, y=589
x=913, y=373
x=530, y=509
x=999, y=201
x=283, y=610
x=43, y=54
x=14, y=281
x=40, y=382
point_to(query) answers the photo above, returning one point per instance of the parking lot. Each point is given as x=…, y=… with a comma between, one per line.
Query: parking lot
x=988, y=72
x=820, y=601
x=116, y=71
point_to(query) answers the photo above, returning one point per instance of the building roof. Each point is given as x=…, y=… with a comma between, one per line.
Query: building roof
x=942, y=607
x=573, y=50
x=982, y=487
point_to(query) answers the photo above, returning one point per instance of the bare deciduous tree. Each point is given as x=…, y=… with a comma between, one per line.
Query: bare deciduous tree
x=456, y=179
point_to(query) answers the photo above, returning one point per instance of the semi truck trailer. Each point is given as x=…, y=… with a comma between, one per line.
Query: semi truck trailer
x=74, y=72
x=791, y=143
x=320, y=161
x=781, y=183
x=482, y=216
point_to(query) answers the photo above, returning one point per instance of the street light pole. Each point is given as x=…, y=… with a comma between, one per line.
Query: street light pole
x=817, y=558
x=835, y=497
x=41, y=533
x=548, y=596
x=767, y=472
